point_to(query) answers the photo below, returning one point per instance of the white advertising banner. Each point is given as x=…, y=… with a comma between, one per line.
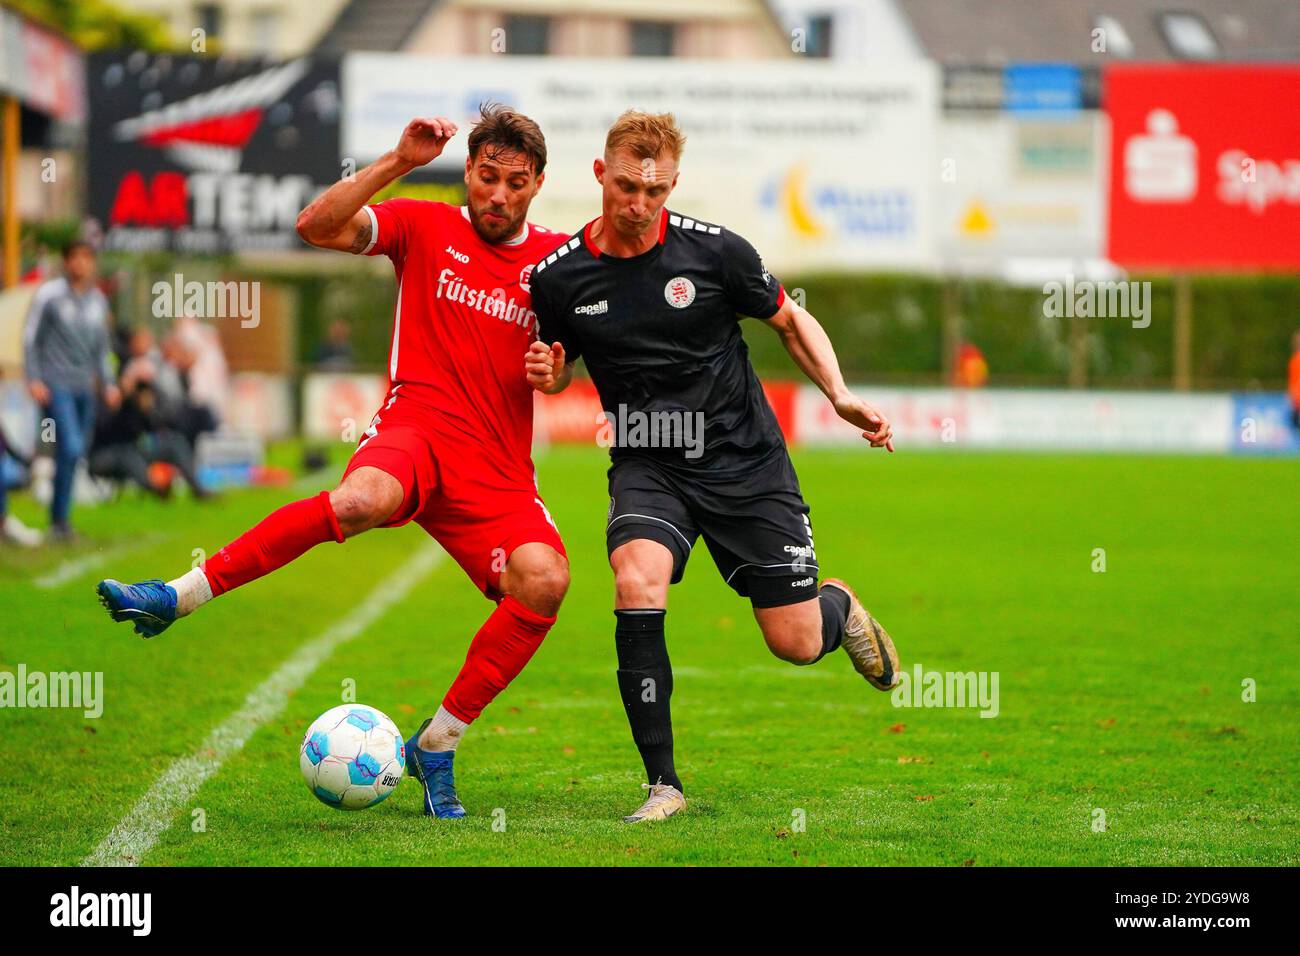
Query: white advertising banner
x=339, y=406
x=1013, y=186
x=818, y=165
x=260, y=405
x=1031, y=419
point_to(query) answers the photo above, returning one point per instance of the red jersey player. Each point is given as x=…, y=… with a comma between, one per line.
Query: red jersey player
x=450, y=446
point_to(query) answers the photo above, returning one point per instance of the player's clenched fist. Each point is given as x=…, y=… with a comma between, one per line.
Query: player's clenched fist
x=424, y=138
x=543, y=364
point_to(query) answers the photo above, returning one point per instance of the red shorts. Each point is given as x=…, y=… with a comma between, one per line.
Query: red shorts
x=474, y=508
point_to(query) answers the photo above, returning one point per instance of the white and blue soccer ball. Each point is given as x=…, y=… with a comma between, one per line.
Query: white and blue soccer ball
x=352, y=757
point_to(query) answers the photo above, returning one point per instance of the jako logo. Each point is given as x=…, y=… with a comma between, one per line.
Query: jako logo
x=103, y=909
x=458, y=256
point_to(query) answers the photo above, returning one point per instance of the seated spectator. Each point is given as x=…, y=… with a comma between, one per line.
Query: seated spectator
x=208, y=378
x=192, y=358
x=135, y=437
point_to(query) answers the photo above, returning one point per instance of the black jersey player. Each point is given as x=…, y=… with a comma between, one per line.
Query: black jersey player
x=650, y=299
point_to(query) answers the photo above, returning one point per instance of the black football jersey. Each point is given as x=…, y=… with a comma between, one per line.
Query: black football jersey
x=660, y=335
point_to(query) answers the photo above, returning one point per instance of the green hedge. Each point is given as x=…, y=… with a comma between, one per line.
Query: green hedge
x=888, y=328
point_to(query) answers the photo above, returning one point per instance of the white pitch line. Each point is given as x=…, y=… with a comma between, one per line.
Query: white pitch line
x=137, y=832
x=70, y=570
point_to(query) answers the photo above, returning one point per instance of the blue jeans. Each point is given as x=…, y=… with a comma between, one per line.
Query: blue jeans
x=74, y=422
x=12, y=473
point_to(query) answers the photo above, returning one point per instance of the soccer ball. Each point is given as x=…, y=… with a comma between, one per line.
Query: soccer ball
x=352, y=757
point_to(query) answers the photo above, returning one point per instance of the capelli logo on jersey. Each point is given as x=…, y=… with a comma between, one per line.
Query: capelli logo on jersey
x=596, y=308
x=495, y=303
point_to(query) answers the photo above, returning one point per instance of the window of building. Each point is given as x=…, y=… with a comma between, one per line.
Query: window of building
x=209, y=16
x=651, y=38
x=1189, y=36
x=528, y=36
x=819, y=36
x=1115, y=36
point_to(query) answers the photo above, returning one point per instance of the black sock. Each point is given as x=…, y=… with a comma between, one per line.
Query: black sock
x=835, y=613
x=645, y=681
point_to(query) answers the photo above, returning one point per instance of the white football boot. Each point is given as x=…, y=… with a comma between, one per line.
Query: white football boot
x=663, y=802
x=17, y=532
x=867, y=643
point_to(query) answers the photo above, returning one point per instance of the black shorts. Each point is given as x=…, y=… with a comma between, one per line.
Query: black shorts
x=756, y=527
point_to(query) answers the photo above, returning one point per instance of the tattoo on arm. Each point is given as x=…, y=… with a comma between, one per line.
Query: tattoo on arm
x=361, y=241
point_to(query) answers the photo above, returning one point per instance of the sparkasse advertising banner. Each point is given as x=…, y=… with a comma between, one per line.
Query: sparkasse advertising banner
x=1205, y=166
x=208, y=155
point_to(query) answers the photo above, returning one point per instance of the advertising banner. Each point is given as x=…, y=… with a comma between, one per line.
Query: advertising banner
x=205, y=155
x=1205, y=166
x=1030, y=419
x=817, y=165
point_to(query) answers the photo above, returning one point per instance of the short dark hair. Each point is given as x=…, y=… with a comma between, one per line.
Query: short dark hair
x=73, y=245
x=501, y=128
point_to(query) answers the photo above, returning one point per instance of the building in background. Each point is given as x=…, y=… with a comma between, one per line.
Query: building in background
x=271, y=28
x=42, y=110
x=996, y=32
x=719, y=29
x=850, y=29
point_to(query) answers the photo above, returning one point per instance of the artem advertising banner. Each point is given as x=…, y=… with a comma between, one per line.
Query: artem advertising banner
x=197, y=154
x=1205, y=166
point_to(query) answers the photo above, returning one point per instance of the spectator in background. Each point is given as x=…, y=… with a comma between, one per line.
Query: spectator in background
x=135, y=437
x=335, y=353
x=66, y=353
x=1293, y=379
x=187, y=417
x=14, y=471
x=207, y=379
x=970, y=370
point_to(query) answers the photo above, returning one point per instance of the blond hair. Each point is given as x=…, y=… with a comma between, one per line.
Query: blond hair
x=647, y=135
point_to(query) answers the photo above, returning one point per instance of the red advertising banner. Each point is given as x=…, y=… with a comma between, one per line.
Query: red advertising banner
x=574, y=416
x=1205, y=166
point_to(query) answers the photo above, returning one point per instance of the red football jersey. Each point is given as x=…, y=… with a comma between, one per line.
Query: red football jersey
x=462, y=324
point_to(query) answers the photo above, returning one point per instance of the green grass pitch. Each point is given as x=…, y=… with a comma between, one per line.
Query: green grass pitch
x=1120, y=691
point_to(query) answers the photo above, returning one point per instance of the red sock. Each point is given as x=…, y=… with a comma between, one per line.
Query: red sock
x=504, y=644
x=279, y=538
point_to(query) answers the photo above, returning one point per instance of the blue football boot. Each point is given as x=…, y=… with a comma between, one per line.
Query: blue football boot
x=150, y=605
x=433, y=769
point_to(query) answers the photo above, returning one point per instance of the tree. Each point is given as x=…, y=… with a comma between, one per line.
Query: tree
x=98, y=24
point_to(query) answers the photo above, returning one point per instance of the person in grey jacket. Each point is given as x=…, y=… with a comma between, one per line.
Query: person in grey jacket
x=67, y=355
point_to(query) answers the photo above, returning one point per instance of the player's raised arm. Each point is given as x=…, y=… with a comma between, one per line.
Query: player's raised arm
x=336, y=220
x=810, y=347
